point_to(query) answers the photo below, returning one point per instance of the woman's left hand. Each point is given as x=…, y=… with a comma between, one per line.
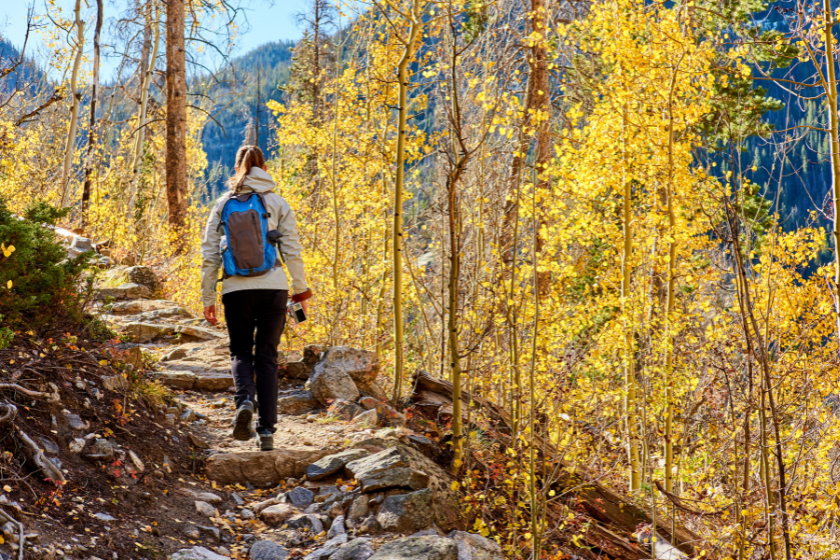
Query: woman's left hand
x=210, y=314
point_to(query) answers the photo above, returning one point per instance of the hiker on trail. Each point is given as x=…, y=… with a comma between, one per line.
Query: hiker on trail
x=250, y=232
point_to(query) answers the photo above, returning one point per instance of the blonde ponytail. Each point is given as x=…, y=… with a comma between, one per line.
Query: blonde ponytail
x=246, y=158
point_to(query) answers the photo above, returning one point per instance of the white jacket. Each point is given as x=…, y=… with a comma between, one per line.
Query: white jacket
x=281, y=218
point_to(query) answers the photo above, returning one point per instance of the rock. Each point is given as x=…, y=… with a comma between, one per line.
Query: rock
x=126, y=291
x=81, y=244
x=210, y=532
x=337, y=527
x=277, y=514
x=343, y=410
x=135, y=460
x=328, y=548
x=298, y=402
x=115, y=383
x=178, y=379
x=299, y=497
x=197, y=441
x=406, y=513
x=144, y=276
x=360, y=365
x=418, y=548
x=258, y=507
x=267, y=550
x=433, y=530
x=48, y=446
x=102, y=450
x=76, y=445
x=324, y=492
x=104, y=517
x=357, y=549
x=188, y=415
x=246, y=514
x=359, y=508
x=424, y=444
x=146, y=332
x=208, y=497
x=446, y=503
x=167, y=313
x=175, y=354
x=237, y=499
x=387, y=415
x=140, y=306
x=367, y=419
x=74, y=421
x=331, y=464
x=197, y=553
x=307, y=522
x=262, y=468
x=200, y=333
x=329, y=384
x=476, y=547
x=205, y=509
x=387, y=469
x=369, y=526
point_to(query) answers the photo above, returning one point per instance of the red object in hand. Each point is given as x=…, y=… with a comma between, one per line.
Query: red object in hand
x=210, y=314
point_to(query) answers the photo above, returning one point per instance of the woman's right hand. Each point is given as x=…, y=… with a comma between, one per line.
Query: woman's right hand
x=210, y=314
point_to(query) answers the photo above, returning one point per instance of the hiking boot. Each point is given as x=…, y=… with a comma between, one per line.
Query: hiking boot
x=242, y=422
x=265, y=440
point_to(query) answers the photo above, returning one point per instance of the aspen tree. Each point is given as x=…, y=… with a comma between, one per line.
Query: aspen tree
x=76, y=96
x=148, y=74
x=415, y=24
x=830, y=86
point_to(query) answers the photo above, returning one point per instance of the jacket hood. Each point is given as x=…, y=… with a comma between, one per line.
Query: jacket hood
x=259, y=180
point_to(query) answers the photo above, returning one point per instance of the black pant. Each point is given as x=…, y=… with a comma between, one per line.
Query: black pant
x=265, y=312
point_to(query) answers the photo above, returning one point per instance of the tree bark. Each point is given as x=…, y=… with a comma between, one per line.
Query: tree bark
x=176, y=114
x=74, y=110
x=94, y=97
x=402, y=119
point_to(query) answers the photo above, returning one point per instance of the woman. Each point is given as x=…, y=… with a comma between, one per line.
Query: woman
x=254, y=303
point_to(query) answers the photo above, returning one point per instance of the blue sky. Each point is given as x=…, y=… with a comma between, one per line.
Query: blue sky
x=267, y=21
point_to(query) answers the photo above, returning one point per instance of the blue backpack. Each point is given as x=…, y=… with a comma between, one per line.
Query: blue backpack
x=247, y=249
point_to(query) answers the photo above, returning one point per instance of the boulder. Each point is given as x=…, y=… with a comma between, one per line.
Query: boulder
x=406, y=513
x=200, y=333
x=277, y=514
x=140, y=306
x=144, y=276
x=360, y=365
x=213, y=381
x=297, y=402
x=208, y=497
x=81, y=244
x=178, y=379
x=204, y=508
x=337, y=527
x=262, y=468
x=125, y=291
x=476, y=547
x=330, y=384
x=167, y=313
x=390, y=468
x=418, y=548
x=302, y=369
x=387, y=415
x=299, y=497
x=332, y=464
x=367, y=419
x=446, y=502
x=267, y=550
x=175, y=354
x=146, y=332
x=357, y=549
x=196, y=553
x=344, y=410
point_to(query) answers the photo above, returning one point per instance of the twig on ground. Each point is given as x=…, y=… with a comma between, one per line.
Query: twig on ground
x=8, y=413
x=19, y=525
x=24, y=390
x=38, y=457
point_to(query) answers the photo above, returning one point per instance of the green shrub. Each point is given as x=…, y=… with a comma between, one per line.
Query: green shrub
x=39, y=283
